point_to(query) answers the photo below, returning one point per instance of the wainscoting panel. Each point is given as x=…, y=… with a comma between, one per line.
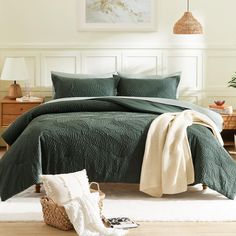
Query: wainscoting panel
x=61, y=62
x=189, y=63
x=219, y=68
x=144, y=62
x=96, y=62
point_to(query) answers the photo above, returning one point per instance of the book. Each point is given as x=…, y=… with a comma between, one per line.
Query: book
x=28, y=99
x=223, y=110
x=121, y=223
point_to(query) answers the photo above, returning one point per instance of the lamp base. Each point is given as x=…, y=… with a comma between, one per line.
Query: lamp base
x=14, y=91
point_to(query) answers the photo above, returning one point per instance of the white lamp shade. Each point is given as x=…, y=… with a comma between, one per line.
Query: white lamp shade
x=14, y=69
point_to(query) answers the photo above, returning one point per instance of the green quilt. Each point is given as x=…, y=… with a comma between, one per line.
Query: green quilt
x=106, y=136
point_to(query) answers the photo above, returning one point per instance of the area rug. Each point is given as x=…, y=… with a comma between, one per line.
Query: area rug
x=194, y=205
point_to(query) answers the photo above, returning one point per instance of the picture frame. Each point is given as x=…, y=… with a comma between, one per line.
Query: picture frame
x=117, y=15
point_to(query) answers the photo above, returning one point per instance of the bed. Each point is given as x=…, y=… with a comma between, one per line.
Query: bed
x=106, y=136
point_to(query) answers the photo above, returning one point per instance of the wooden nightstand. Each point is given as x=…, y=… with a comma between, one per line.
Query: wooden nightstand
x=229, y=130
x=230, y=121
x=11, y=109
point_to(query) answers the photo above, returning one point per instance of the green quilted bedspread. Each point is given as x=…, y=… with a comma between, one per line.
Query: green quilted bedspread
x=106, y=136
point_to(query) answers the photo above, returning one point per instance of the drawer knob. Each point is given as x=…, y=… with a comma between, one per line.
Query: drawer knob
x=21, y=109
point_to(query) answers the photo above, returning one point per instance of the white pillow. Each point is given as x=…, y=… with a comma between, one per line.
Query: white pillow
x=66, y=187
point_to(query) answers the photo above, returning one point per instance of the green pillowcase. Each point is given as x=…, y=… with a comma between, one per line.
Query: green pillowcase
x=76, y=85
x=149, y=86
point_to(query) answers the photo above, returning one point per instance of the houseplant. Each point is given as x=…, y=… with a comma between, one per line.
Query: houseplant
x=232, y=82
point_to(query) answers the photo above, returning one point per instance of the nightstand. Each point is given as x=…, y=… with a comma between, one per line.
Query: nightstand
x=11, y=109
x=229, y=121
x=229, y=130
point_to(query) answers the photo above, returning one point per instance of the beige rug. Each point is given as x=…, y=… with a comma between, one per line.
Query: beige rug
x=194, y=205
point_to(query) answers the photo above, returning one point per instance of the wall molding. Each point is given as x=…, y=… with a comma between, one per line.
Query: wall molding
x=203, y=75
x=56, y=45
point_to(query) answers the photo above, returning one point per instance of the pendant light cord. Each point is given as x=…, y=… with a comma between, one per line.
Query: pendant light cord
x=187, y=5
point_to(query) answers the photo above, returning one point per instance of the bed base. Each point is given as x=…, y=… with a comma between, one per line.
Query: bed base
x=204, y=186
x=38, y=187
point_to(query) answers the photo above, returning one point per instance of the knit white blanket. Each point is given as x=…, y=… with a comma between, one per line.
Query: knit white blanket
x=167, y=164
x=84, y=214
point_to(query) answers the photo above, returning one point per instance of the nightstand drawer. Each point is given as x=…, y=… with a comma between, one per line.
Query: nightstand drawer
x=229, y=121
x=17, y=109
x=228, y=126
x=8, y=119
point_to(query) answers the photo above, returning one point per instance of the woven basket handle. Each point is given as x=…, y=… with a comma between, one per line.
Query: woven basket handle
x=50, y=199
x=97, y=185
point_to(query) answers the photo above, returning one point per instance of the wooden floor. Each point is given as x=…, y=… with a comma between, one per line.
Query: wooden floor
x=145, y=228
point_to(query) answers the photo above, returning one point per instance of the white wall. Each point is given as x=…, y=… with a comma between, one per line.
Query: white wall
x=45, y=33
x=54, y=21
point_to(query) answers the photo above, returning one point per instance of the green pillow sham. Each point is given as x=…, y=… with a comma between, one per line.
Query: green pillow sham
x=77, y=85
x=149, y=86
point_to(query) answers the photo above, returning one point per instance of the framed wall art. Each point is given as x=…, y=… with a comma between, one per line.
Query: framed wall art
x=117, y=15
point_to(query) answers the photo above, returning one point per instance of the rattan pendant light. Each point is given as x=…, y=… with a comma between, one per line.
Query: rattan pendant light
x=187, y=24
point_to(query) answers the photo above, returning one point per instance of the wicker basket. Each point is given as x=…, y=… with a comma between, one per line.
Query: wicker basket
x=55, y=215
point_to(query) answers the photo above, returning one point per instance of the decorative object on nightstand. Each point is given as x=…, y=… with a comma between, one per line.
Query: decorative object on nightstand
x=187, y=24
x=232, y=82
x=14, y=69
x=219, y=102
x=220, y=107
x=11, y=109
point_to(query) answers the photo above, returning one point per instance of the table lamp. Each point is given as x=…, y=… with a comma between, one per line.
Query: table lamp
x=14, y=69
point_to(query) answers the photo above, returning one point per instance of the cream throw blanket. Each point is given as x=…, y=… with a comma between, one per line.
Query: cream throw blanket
x=84, y=214
x=167, y=164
